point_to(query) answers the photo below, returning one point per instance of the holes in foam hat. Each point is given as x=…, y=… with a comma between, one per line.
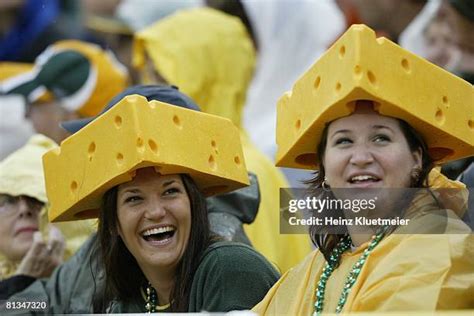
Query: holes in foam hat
x=119, y=158
x=338, y=87
x=118, y=121
x=237, y=160
x=212, y=162
x=372, y=78
x=357, y=71
x=317, y=82
x=73, y=186
x=445, y=101
x=439, y=116
x=342, y=51
x=470, y=123
x=153, y=146
x=140, y=144
x=214, y=146
x=298, y=124
x=177, y=121
x=91, y=150
x=406, y=65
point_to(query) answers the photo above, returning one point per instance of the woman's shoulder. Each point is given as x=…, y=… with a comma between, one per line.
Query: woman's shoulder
x=234, y=255
x=230, y=276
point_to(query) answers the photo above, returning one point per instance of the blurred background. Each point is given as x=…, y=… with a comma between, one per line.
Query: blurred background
x=288, y=36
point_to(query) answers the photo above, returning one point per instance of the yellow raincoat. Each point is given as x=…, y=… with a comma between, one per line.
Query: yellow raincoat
x=210, y=57
x=21, y=173
x=405, y=272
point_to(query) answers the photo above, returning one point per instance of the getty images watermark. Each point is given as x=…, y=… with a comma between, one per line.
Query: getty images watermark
x=338, y=210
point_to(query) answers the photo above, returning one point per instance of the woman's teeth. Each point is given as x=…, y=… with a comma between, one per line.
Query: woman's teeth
x=159, y=233
x=363, y=178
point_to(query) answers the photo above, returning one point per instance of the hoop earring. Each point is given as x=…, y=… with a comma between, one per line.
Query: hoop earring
x=325, y=186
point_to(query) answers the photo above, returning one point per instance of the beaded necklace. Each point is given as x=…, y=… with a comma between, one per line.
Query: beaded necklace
x=344, y=244
x=151, y=300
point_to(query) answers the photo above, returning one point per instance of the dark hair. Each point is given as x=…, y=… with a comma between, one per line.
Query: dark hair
x=123, y=276
x=326, y=242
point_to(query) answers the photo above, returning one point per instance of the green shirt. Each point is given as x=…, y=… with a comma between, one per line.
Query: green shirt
x=231, y=276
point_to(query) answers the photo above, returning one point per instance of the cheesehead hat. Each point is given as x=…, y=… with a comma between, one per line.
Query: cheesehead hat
x=133, y=134
x=359, y=66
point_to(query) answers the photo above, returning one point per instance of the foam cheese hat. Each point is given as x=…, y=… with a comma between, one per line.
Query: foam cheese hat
x=135, y=134
x=359, y=66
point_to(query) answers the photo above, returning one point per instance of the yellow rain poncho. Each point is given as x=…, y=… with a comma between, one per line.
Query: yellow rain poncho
x=21, y=173
x=210, y=57
x=405, y=272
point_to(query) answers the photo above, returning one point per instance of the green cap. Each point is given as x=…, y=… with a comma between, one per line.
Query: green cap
x=63, y=74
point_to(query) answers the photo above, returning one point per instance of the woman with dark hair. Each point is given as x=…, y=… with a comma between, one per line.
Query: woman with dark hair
x=154, y=241
x=388, y=234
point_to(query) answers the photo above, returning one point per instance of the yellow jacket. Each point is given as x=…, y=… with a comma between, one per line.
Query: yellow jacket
x=404, y=272
x=210, y=57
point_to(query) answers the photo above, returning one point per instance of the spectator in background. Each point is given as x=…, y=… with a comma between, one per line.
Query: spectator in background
x=113, y=22
x=459, y=16
x=387, y=17
x=278, y=29
x=210, y=57
x=15, y=129
x=442, y=33
x=25, y=253
x=80, y=76
x=27, y=27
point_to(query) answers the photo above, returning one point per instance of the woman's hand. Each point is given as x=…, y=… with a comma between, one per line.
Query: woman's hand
x=43, y=257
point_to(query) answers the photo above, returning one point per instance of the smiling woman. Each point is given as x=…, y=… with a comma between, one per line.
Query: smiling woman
x=154, y=245
x=371, y=144
x=162, y=223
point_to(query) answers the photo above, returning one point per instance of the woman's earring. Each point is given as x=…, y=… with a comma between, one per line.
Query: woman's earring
x=415, y=175
x=325, y=185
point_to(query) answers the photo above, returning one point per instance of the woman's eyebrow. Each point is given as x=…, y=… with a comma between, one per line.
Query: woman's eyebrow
x=381, y=127
x=341, y=131
x=130, y=190
x=167, y=183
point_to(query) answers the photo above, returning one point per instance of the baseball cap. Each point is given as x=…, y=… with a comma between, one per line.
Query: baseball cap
x=82, y=75
x=163, y=93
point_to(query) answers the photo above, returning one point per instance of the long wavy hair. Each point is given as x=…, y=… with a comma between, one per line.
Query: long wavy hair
x=123, y=276
x=326, y=241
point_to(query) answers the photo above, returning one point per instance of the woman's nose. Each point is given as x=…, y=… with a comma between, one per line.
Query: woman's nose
x=24, y=207
x=155, y=211
x=361, y=156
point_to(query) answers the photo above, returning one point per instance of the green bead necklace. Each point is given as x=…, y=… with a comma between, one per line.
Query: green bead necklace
x=151, y=299
x=344, y=244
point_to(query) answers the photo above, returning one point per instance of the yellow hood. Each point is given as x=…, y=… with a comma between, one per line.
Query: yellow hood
x=206, y=53
x=21, y=173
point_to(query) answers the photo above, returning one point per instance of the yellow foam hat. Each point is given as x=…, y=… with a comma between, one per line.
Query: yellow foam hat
x=135, y=134
x=359, y=66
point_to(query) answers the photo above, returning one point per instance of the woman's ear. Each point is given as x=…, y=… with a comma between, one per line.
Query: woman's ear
x=418, y=158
